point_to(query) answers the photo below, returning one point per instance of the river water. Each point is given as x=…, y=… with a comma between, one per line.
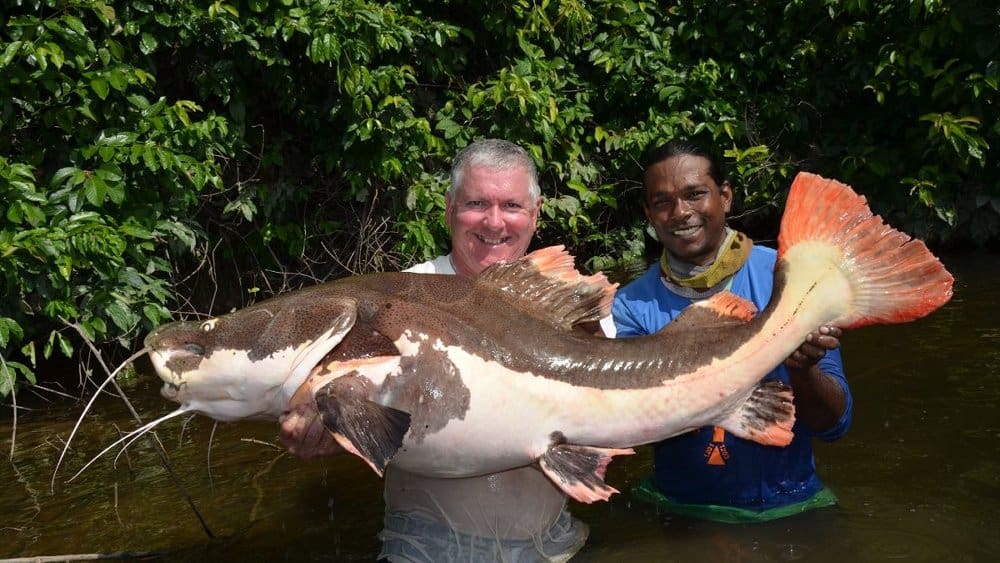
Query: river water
x=918, y=475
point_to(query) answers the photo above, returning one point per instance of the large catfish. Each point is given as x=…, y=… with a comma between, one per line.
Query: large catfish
x=449, y=376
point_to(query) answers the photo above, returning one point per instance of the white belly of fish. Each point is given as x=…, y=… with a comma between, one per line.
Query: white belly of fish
x=513, y=418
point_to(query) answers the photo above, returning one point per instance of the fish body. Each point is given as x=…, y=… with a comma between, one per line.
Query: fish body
x=450, y=376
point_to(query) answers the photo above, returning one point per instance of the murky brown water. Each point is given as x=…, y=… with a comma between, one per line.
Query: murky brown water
x=918, y=476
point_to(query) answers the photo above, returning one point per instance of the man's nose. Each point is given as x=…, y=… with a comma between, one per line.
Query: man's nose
x=680, y=210
x=494, y=218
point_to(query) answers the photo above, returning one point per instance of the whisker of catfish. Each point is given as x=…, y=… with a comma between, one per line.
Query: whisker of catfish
x=180, y=438
x=158, y=446
x=151, y=425
x=138, y=432
x=79, y=420
x=208, y=460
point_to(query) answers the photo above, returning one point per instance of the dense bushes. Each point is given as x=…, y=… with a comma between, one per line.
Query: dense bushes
x=153, y=153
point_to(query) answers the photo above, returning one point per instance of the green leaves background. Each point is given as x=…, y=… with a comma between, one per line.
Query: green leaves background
x=163, y=156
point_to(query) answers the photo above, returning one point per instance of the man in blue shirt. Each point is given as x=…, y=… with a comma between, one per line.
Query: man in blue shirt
x=709, y=473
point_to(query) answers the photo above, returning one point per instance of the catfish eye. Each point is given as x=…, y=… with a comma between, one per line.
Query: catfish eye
x=208, y=326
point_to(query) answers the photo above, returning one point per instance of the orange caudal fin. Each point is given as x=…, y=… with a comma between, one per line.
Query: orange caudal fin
x=893, y=278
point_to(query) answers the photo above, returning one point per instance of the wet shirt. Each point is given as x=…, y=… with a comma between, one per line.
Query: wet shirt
x=709, y=465
x=517, y=504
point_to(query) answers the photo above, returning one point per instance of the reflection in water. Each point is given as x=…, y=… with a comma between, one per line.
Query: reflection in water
x=918, y=476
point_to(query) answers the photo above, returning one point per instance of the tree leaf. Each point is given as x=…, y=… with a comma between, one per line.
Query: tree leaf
x=100, y=87
x=10, y=52
x=148, y=43
x=120, y=315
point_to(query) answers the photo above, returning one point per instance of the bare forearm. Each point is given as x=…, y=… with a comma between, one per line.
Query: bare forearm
x=820, y=401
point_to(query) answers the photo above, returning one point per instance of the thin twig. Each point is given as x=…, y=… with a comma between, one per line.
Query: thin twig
x=255, y=483
x=84, y=557
x=262, y=443
x=39, y=387
x=13, y=398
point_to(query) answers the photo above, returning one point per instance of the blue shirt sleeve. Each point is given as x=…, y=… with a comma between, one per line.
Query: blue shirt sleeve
x=626, y=325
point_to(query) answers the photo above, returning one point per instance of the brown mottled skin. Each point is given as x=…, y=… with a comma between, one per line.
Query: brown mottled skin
x=490, y=323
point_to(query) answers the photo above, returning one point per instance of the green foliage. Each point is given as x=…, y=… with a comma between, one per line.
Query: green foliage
x=94, y=178
x=193, y=155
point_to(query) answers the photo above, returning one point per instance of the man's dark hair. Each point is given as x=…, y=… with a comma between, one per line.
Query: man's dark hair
x=679, y=147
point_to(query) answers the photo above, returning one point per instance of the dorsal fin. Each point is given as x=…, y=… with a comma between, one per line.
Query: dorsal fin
x=723, y=308
x=546, y=285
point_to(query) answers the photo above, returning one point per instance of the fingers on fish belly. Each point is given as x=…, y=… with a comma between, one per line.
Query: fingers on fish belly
x=766, y=417
x=579, y=470
x=364, y=428
x=303, y=432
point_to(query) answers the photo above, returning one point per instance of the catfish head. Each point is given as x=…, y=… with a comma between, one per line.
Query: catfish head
x=248, y=363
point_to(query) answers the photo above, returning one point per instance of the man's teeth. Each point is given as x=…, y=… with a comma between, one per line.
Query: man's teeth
x=492, y=240
x=686, y=231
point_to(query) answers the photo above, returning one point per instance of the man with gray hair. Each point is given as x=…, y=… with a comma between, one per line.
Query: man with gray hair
x=518, y=515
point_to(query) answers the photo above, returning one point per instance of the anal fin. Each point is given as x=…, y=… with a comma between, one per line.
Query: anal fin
x=766, y=417
x=363, y=427
x=579, y=470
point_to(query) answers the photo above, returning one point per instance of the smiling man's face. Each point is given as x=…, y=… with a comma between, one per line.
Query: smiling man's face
x=686, y=208
x=492, y=218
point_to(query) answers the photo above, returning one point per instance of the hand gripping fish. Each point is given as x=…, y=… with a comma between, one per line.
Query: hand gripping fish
x=450, y=376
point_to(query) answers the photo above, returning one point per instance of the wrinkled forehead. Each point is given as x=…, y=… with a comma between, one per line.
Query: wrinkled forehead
x=495, y=185
x=677, y=173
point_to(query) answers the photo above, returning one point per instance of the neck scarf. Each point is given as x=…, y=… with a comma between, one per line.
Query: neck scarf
x=732, y=254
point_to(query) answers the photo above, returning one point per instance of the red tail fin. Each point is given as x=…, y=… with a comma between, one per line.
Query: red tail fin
x=894, y=278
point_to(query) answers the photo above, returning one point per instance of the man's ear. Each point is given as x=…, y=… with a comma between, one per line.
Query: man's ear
x=726, y=191
x=449, y=205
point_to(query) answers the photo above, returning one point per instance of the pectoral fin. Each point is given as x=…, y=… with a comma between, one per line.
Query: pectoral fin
x=579, y=470
x=364, y=428
x=766, y=417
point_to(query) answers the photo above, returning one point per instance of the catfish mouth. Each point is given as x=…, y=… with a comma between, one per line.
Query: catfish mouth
x=162, y=357
x=172, y=386
x=171, y=391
